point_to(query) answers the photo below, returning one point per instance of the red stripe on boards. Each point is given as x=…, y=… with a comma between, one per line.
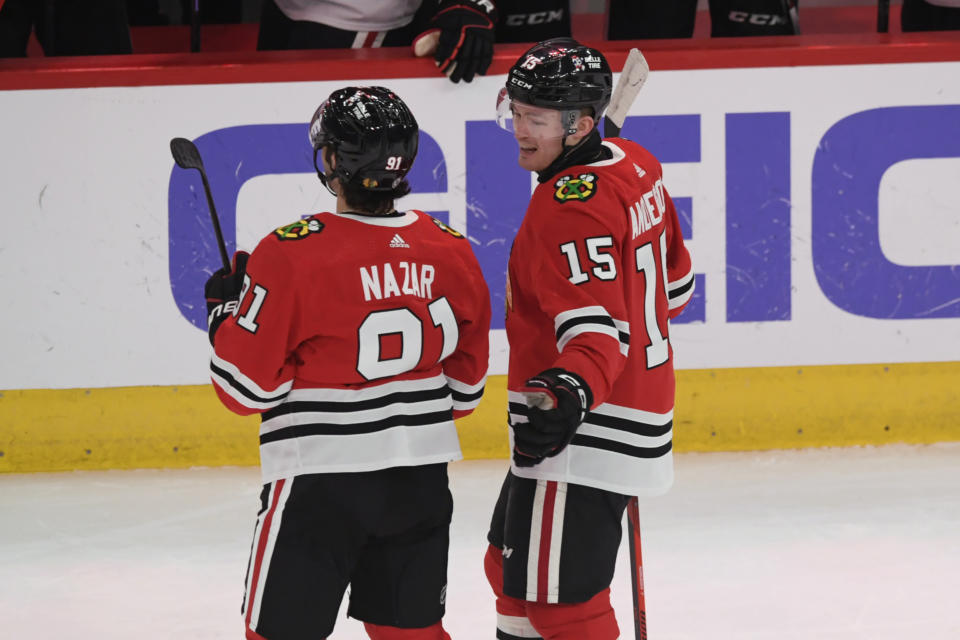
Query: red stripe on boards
x=546, y=534
x=261, y=547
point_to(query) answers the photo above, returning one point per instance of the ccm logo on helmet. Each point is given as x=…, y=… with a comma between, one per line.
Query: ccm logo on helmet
x=521, y=83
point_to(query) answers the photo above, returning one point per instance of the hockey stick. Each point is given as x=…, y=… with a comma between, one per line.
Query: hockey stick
x=636, y=571
x=632, y=77
x=186, y=155
x=790, y=8
x=883, y=16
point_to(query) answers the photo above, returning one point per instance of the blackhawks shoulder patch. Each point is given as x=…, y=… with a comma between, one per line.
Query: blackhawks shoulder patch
x=299, y=229
x=578, y=188
x=448, y=229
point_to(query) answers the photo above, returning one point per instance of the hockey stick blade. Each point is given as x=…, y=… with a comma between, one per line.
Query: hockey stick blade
x=187, y=156
x=632, y=78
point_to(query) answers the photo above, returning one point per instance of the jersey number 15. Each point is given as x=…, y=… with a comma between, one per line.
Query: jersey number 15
x=605, y=268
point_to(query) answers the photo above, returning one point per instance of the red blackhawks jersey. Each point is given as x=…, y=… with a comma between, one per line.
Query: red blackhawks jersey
x=597, y=269
x=359, y=339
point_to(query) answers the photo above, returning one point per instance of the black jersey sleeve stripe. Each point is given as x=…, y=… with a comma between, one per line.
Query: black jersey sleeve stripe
x=572, y=322
x=459, y=396
x=682, y=289
x=241, y=389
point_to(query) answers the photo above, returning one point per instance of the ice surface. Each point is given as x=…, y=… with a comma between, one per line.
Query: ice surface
x=832, y=544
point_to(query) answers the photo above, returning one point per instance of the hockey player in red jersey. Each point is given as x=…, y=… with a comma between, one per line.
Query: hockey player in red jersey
x=359, y=336
x=597, y=269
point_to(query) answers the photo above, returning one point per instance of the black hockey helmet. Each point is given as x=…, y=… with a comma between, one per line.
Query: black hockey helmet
x=562, y=74
x=373, y=134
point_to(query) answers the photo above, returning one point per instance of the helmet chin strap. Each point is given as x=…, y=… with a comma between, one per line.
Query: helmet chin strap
x=569, y=119
x=568, y=150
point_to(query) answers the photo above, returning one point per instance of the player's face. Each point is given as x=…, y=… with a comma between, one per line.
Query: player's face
x=539, y=133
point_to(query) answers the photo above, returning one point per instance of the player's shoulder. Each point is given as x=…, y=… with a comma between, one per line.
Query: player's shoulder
x=291, y=244
x=627, y=153
x=307, y=228
x=437, y=229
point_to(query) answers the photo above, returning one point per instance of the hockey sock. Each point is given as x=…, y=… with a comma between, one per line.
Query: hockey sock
x=590, y=620
x=512, y=619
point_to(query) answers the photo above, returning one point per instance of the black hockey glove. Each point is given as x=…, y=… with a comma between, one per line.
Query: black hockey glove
x=460, y=36
x=558, y=401
x=223, y=292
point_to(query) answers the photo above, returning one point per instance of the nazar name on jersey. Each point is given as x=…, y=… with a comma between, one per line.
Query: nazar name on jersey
x=399, y=279
x=648, y=211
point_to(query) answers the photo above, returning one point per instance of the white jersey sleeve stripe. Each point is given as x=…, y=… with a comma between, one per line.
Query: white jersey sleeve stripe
x=466, y=397
x=462, y=387
x=680, y=291
x=624, y=329
x=595, y=310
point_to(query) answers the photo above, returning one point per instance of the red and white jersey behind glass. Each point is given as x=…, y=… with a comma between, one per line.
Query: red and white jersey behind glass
x=359, y=339
x=352, y=15
x=596, y=271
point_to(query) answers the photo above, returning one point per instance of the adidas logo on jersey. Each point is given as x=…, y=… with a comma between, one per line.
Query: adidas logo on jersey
x=640, y=171
x=398, y=242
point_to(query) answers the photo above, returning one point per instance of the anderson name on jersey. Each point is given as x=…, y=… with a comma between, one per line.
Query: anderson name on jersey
x=597, y=269
x=359, y=338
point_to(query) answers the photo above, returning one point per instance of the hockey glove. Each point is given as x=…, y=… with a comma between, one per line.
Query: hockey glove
x=223, y=292
x=460, y=36
x=557, y=401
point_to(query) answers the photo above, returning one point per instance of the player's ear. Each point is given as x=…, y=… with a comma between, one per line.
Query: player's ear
x=329, y=164
x=585, y=124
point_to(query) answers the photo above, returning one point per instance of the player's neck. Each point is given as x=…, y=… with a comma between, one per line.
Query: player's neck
x=344, y=207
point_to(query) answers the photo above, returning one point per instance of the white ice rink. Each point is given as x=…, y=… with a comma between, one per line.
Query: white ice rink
x=829, y=544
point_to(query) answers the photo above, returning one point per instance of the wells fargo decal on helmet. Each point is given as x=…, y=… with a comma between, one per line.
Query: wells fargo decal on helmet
x=580, y=188
x=299, y=229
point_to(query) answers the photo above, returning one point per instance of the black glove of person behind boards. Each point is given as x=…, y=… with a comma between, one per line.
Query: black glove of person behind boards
x=460, y=36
